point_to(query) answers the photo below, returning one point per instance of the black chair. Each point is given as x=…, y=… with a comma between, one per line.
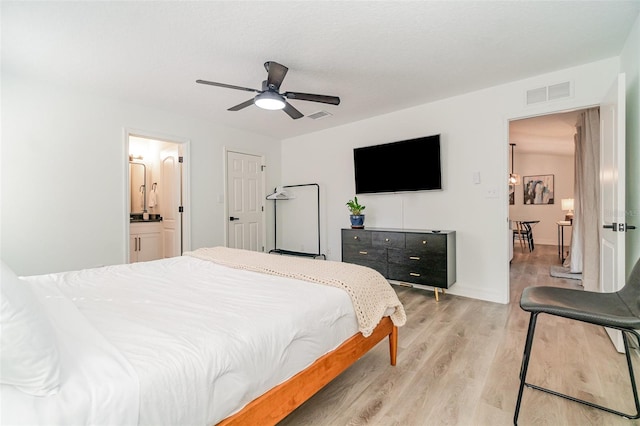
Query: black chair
x=619, y=310
x=524, y=232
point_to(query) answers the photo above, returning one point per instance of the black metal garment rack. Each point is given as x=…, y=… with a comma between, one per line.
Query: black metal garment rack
x=276, y=250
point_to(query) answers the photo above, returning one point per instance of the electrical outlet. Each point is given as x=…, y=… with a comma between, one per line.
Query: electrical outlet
x=491, y=193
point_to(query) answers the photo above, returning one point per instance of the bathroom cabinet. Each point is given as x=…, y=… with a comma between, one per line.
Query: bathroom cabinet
x=145, y=241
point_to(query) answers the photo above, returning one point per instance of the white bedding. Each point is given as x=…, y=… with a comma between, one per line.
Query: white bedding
x=203, y=339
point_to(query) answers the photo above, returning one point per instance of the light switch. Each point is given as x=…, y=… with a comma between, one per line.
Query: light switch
x=476, y=177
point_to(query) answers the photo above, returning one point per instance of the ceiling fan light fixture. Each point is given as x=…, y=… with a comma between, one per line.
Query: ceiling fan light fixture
x=269, y=100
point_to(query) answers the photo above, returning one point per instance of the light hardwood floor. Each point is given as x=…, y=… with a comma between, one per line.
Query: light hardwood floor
x=459, y=359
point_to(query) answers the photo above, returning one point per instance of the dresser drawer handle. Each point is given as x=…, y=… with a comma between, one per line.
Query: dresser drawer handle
x=363, y=252
x=424, y=241
x=356, y=238
x=386, y=240
x=413, y=274
x=414, y=258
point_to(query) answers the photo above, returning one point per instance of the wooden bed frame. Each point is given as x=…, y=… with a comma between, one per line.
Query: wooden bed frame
x=277, y=403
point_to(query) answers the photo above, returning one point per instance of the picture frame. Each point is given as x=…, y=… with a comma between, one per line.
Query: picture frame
x=512, y=195
x=538, y=189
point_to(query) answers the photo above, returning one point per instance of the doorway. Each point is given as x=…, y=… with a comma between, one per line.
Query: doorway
x=543, y=159
x=158, y=193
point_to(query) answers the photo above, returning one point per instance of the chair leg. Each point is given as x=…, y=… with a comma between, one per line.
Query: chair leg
x=627, y=351
x=525, y=363
x=581, y=401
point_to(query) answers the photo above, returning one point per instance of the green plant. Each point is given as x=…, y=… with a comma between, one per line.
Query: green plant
x=354, y=207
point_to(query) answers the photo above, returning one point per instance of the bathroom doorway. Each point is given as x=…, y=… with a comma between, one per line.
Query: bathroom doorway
x=157, y=195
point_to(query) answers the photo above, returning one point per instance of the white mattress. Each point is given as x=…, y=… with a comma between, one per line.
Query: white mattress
x=203, y=339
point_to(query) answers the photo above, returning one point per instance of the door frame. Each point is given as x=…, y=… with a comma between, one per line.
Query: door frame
x=225, y=217
x=185, y=145
x=506, y=164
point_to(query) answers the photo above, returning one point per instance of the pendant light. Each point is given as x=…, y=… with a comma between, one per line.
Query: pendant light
x=514, y=179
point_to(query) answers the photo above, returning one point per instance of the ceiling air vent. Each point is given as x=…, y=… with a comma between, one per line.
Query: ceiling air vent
x=318, y=115
x=549, y=93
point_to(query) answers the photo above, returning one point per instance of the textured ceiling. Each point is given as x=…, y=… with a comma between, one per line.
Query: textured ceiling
x=377, y=56
x=547, y=134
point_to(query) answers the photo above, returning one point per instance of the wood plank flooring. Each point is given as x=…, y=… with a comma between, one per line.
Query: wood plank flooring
x=459, y=359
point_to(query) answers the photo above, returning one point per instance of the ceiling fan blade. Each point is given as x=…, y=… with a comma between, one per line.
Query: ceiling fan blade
x=293, y=113
x=242, y=105
x=227, y=86
x=333, y=100
x=276, y=74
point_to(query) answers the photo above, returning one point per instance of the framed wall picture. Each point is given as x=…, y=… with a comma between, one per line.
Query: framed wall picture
x=538, y=189
x=512, y=194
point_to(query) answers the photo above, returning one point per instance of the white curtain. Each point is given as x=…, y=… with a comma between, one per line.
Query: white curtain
x=585, y=240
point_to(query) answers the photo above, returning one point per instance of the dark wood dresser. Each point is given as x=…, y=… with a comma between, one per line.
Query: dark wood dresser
x=421, y=257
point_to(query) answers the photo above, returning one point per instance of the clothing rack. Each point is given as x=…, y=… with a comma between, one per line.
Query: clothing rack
x=276, y=250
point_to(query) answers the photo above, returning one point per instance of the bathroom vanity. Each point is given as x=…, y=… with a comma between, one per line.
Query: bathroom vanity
x=145, y=241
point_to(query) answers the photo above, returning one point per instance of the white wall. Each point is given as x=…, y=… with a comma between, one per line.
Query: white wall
x=474, y=129
x=63, y=175
x=630, y=65
x=562, y=169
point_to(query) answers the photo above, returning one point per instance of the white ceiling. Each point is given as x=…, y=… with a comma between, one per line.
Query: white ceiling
x=377, y=56
x=547, y=134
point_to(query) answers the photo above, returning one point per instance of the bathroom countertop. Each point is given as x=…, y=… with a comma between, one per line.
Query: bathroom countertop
x=137, y=218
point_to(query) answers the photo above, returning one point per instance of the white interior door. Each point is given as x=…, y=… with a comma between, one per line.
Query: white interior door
x=170, y=202
x=245, y=205
x=612, y=185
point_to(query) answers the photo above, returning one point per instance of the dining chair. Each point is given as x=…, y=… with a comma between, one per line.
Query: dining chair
x=524, y=233
x=618, y=310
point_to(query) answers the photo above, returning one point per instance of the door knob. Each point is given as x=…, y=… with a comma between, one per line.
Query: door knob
x=619, y=227
x=231, y=218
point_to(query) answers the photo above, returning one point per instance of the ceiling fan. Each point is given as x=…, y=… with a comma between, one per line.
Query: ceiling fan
x=270, y=97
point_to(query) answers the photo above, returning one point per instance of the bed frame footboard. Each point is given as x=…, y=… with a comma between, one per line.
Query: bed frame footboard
x=277, y=403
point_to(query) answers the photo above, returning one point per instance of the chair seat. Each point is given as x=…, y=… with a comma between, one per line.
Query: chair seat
x=606, y=309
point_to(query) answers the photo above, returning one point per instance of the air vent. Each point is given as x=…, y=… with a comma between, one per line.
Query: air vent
x=559, y=91
x=549, y=93
x=536, y=95
x=318, y=115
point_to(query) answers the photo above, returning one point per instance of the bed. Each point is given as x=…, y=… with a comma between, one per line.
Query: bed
x=220, y=336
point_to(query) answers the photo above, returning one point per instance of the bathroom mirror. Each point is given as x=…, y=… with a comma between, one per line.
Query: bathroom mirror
x=138, y=189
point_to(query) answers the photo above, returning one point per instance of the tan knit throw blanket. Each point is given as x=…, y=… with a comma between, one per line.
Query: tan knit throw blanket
x=371, y=294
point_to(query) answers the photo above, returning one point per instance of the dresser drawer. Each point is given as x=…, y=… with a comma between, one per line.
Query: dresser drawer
x=418, y=274
x=381, y=267
x=356, y=237
x=426, y=242
x=355, y=254
x=388, y=239
x=416, y=257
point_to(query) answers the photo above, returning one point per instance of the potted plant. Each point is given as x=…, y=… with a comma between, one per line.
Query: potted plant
x=357, y=218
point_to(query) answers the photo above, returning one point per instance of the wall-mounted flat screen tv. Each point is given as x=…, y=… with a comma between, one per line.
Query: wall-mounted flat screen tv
x=409, y=165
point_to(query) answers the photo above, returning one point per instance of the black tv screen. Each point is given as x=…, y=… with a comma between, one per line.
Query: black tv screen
x=410, y=165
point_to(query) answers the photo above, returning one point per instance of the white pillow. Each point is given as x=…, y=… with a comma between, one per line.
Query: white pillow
x=29, y=358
